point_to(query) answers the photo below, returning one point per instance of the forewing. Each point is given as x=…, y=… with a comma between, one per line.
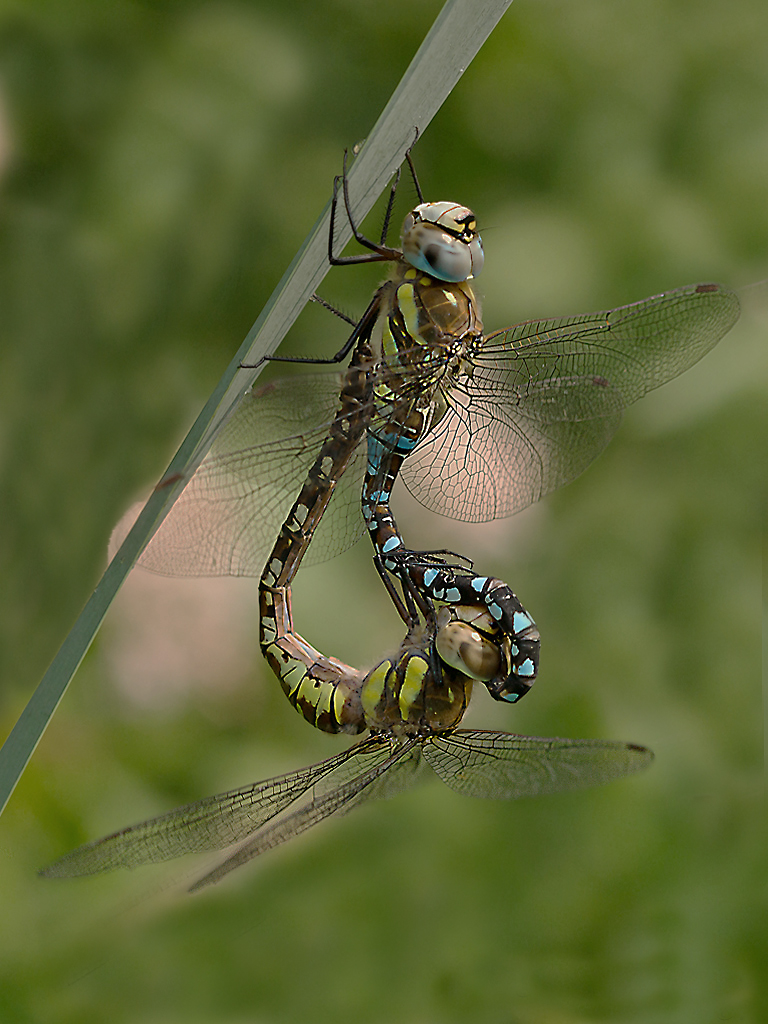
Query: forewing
x=379, y=769
x=229, y=514
x=503, y=766
x=545, y=397
x=210, y=824
x=487, y=457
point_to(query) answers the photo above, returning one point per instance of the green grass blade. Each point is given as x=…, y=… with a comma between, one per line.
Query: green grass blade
x=456, y=36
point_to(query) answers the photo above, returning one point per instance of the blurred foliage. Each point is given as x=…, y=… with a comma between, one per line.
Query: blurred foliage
x=161, y=163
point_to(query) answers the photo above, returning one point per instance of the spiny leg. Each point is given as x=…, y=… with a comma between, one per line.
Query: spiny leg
x=378, y=251
x=333, y=309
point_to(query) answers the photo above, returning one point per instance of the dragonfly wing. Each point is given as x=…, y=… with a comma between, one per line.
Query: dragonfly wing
x=545, y=397
x=380, y=768
x=210, y=824
x=229, y=514
x=504, y=766
x=635, y=348
x=488, y=457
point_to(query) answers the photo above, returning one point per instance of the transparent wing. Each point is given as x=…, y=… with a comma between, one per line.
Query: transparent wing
x=381, y=769
x=545, y=397
x=503, y=766
x=229, y=514
x=210, y=824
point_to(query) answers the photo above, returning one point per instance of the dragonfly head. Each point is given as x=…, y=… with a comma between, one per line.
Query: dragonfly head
x=442, y=240
x=463, y=641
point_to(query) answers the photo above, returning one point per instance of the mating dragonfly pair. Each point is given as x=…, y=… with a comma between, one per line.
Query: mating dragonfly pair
x=479, y=426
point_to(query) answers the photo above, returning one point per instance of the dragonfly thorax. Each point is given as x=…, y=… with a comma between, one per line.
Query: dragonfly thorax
x=414, y=693
x=426, y=315
x=425, y=688
x=442, y=240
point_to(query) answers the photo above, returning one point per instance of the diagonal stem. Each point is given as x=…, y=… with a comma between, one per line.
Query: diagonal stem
x=459, y=31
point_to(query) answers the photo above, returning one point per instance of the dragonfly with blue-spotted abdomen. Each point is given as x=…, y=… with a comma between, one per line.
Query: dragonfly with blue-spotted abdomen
x=478, y=425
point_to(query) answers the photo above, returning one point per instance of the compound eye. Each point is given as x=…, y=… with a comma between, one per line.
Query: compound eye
x=438, y=254
x=463, y=648
x=477, y=256
x=408, y=223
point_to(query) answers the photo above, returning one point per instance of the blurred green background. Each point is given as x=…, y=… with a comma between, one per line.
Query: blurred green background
x=161, y=163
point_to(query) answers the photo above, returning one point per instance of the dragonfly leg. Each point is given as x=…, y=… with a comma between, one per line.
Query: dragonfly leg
x=412, y=169
x=440, y=557
x=378, y=252
x=405, y=605
x=388, y=211
x=332, y=309
x=358, y=337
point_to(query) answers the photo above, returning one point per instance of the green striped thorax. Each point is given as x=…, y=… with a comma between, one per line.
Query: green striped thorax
x=425, y=688
x=432, y=317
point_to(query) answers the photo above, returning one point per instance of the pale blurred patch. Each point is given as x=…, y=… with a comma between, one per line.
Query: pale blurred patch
x=503, y=538
x=540, y=261
x=169, y=638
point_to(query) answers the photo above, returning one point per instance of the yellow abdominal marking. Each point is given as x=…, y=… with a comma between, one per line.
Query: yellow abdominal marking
x=308, y=691
x=338, y=703
x=324, y=704
x=293, y=685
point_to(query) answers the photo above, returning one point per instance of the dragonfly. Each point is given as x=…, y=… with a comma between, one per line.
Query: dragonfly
x=478, y=425
x=412, y=703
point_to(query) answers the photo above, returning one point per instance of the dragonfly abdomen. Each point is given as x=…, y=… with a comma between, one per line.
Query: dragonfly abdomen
x=344, y=434
x=324, y=690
